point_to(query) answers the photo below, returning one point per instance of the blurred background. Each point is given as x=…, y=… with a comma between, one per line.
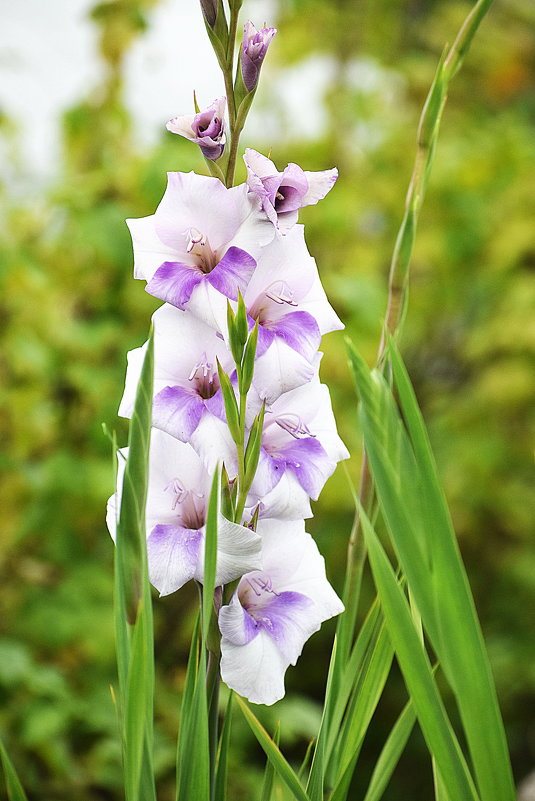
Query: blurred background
x=85, y=91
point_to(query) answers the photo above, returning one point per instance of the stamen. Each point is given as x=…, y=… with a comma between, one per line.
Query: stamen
x=195, y=237
x=181, y=493
x=294, y=425
x=279, y=196
x=205, y=376
x=280, y=292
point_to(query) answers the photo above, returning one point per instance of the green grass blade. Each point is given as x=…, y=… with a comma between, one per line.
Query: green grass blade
x=462, y=648
x=193, y=763
x=366, y=694
x=391, y=753
x=133, y=603
x=269, y=773
x=316, y=778
x=272, y=752
x=418, y=674
x=15, y=791
x=220, y=792
x=210, y=554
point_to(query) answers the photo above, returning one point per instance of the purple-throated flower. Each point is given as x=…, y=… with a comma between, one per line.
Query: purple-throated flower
x=206, y=129
x=177, y=500
x=274, y=611
x=284, y=193
x=254, y=48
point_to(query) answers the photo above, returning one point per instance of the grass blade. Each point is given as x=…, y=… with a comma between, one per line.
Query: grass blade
x=418, y=674
x=389, y=756
x=15, y=791
x=220, y=793
x=269, y=774
x=272, y=752
x=193, y=763
x=316, y=776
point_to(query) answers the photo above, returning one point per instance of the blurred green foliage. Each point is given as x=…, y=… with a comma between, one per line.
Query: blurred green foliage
x=70, y=310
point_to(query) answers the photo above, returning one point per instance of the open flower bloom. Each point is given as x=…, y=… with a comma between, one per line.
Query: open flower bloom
x=300, y=449
x=202, y=240
x=284, y=193
x=188, y=402
x=254, y=48
x=206, y=129
x=285, y=296
x=274, y=611
x=178, y=493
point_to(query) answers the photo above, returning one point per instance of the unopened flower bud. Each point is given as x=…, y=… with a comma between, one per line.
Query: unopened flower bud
x=254, y=48
x=209, y=10
x=206, y=129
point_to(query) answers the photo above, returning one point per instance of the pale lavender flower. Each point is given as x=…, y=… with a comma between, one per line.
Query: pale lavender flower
x=201, y=242
x=274, y=611
x=179, y=488
x=284, y=193
x=206, y=129
x=254, y=48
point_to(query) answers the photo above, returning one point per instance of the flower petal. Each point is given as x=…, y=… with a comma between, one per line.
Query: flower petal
x=177, y=411
x=299, y=330
x=232, y=273
x=255, y=670
x=280, y=369
x=173, y=553
x=239, y=550
x=319, y=184
x=174, y=282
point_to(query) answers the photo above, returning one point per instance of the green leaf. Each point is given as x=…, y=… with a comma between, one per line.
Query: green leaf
x=417, y=673
x=269, y=773
x=389, y=756
x=210, y=554
x=272, y=752
x=193, y=764
x=316, y=778
x=220, y=793
x=254, y=443
x=460, y=646
x=248, y=363
x=14, y=788
x=231, y=405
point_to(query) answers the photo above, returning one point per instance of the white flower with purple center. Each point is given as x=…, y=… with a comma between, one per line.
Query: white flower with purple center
x=300, y=450
x=285, y=296
x=178, y=492
x=274, y=611
x=283, y=193
x=203, y=240
x=188, y=402
x=206, y=129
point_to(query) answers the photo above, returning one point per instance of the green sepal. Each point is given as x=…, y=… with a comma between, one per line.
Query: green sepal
x=252, y=453
x=236, y=345
x=253, y=523
x=242, y=327
x=231, y=406
x=228, y=495
x=247, y=368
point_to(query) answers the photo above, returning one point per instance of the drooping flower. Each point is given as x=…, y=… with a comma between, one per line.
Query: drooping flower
x=202, y=241
x=274, y=611
x=284, y=193
x=177, y=499
x=206, y=129
x=254, y=48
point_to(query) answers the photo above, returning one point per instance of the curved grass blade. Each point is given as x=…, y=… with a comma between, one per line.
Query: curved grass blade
x=222, y=755
x=389, y=756
x=272, y=752
x=15, y=791
x=269, y=774
x=462, y=649
x=418, y=674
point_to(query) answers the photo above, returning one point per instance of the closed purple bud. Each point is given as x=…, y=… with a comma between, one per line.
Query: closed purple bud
x=209, y=10
x=254, y=48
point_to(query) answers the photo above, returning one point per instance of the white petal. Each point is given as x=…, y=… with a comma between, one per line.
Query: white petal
x=182, y=125
x=239, y=550
x=149, y=250
x=256, y=670
x=319, y=184
x=259, y=165
x=288, y=501
x=280, y=369
x=214, y=444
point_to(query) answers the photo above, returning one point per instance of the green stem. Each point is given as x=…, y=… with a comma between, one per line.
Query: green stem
x=242, y=489
x=212, y=694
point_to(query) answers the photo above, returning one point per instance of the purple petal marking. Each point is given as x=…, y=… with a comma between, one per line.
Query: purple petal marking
x=307, y=460
x=300, y=331
x=216, y=405
x=279, y=615
x=177, y=411
x=233, y=272
x=174, y=282
x=173, y=553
